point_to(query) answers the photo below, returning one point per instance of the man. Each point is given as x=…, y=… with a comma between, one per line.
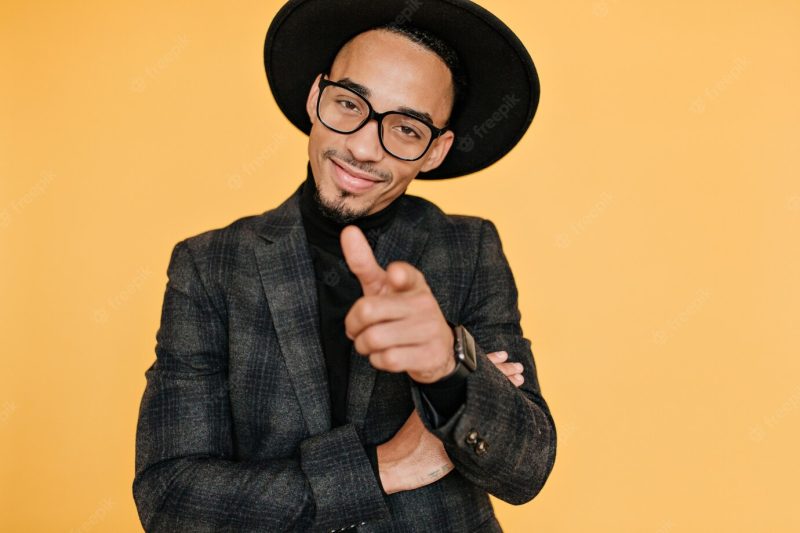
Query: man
x=353, y=358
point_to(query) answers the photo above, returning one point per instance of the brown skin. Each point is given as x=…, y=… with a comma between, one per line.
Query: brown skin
x=414, y=457
x=398, y=73
x=398, y=322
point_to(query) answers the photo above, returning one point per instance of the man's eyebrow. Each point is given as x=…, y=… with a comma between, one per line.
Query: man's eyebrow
x=355, y=87
x=425, y=117
x=366, y=93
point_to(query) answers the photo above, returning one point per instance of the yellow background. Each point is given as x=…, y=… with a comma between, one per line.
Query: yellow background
x=651, y=216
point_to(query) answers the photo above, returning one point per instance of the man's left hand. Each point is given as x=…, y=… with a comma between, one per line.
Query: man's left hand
x=398, y=322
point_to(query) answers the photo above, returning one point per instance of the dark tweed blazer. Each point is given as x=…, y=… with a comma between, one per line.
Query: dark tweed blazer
x=234, y=430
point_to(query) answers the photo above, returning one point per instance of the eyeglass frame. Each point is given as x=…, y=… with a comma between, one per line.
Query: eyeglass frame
x=436, y=132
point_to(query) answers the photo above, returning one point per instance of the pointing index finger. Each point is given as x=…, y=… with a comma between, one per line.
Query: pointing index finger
x=361, y=261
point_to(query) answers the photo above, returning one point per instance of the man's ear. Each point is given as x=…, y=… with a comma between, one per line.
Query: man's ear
x=311, y=103
x=438, y=151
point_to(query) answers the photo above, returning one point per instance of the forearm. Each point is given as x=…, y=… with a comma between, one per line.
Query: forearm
x=515, y=427
x=412, y=458
x=208, y=493
x=331, y=485
x=514, y=424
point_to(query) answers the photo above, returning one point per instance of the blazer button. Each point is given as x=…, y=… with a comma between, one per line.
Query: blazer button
x=472, y=437
x=481, y=447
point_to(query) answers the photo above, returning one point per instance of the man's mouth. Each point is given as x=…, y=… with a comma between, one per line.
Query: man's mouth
x=352, y=180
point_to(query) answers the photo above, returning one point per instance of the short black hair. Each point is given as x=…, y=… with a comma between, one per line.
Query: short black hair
x=439, y=47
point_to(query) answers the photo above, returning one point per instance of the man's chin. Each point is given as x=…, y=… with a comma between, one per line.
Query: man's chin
x=340, y=209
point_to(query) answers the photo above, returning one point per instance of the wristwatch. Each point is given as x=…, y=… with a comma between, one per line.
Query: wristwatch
x=464, y=349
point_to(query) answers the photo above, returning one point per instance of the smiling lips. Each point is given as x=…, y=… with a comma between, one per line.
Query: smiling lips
x=354, y=182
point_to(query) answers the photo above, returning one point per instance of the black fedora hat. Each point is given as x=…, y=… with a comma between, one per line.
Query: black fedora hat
x=503, y=86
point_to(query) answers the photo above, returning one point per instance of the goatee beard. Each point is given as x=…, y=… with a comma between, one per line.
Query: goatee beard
x=336, y=210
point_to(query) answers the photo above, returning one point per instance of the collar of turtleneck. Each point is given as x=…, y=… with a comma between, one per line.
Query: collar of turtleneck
x=324, y=232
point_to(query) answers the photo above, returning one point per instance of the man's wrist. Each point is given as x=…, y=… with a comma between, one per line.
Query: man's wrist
x=427, y=379
x=385, y=470
x=450, y=365
x=449, y=369
x=372, y=453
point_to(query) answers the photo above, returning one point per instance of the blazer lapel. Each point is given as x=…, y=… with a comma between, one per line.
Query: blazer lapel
x=403, y=240
x=287, y=275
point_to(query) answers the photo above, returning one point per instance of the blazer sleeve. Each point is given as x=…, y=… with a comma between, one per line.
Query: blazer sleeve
x=187, y=477
x=503, y=438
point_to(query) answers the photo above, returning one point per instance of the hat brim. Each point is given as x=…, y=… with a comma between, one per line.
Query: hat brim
x=503, y=85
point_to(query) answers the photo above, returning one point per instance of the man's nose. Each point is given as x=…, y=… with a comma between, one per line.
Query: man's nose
x=364, y=143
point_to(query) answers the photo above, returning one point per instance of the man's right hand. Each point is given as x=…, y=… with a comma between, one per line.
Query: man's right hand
x=414, y=457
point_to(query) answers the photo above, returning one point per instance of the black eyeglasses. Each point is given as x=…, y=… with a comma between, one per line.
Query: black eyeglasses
x=402, y=135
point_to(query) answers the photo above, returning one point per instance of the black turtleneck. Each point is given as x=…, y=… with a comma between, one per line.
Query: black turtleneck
x=337, y=287
x=337, y=291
